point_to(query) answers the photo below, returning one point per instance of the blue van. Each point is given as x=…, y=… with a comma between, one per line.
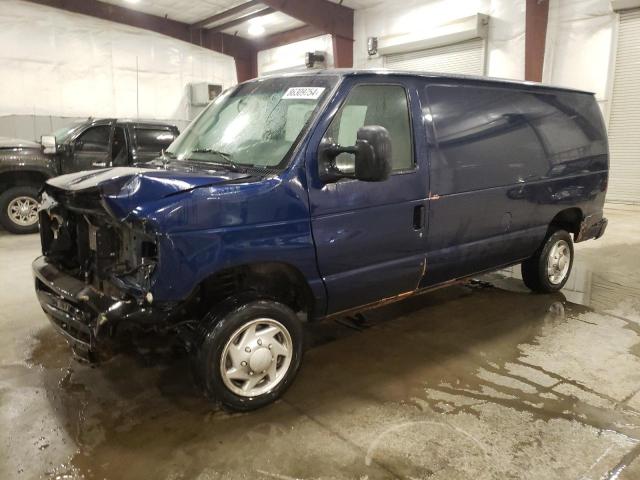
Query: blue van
x=296, y=197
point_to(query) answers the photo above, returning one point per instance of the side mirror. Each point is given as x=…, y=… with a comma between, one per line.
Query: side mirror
x=48, y=144
x=372, y=153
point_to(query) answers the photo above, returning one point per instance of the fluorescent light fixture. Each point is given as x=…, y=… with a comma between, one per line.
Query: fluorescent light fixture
x=255, y=30
x=132, y=1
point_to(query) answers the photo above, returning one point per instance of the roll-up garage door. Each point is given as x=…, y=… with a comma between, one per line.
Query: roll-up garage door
x=624, y=122
x=463, y=58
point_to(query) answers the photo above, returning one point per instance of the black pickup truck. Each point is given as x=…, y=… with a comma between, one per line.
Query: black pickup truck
x=92, y=144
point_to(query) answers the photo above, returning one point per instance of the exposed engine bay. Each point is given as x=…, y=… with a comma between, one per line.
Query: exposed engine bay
x=81, y=238
x=95, y=276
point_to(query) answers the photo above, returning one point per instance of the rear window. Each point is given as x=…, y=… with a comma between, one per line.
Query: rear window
x=153, y=139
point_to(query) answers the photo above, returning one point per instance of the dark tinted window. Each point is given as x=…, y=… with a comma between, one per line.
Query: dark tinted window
x=95, y=139
x=484, y=137
x=153, y=140
x=384, y=105
x=119, y=152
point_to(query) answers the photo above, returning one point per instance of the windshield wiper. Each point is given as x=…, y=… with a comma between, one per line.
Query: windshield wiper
x=224, y=155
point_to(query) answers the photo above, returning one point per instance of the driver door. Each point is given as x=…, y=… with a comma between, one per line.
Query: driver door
x=371, y=236
x=91, y=149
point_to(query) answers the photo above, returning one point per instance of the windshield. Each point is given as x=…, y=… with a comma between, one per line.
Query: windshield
x=255, y=124
x=62, y=134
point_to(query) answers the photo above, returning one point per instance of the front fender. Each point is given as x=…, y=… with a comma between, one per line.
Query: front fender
x=15, y=160
x=210, y=229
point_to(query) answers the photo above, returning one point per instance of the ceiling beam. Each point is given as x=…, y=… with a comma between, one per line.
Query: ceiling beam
x=257, y=14
x=290, y=36
x=323, y=14
x=328, y=17
x=242, y=50
x=536, y=18
x=226, y=14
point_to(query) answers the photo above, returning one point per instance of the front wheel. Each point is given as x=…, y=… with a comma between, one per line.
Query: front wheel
x=549, y=268
x=250, y=353
x=19, y=209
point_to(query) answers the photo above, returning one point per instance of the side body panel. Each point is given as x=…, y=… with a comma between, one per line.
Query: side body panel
x=504, y=162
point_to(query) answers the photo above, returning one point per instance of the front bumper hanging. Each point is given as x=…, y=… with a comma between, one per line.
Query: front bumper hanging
x=84, y=316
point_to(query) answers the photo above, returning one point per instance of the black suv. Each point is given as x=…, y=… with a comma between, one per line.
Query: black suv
x=94, y=143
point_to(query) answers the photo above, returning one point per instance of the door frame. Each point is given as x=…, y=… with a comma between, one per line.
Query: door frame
x=411, y=85
x=97, y=123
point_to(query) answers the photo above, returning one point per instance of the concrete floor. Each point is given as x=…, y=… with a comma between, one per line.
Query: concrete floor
x=477, y=381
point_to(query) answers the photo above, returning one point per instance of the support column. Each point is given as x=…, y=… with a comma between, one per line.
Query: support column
x=537, y=15
x=342, y=52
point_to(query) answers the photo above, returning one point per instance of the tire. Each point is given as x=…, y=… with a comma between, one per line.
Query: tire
x=262, y=352
x=536, y=272
x=10, y=200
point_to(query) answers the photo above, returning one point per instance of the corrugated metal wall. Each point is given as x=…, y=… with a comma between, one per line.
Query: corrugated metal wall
x=462, y=58
x=624, y=122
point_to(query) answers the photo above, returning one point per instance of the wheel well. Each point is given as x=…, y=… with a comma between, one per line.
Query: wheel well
x=21, y=179
x=569, y=220
x=277, y=280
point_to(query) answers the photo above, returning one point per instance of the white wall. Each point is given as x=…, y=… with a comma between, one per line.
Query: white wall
x=291, y=56
x=580, y=45
x=58, y=63
x=505, y=52
x=505, y=43
x=579, y=48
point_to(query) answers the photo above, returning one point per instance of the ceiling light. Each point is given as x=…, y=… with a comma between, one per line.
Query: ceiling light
x=132, y=1
x=255, y=30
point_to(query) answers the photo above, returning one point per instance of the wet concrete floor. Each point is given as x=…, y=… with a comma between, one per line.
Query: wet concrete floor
x=479, y=381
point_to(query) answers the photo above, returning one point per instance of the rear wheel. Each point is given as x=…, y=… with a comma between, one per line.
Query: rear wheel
x=19, y=209
x=549, y=268
x=250, y=352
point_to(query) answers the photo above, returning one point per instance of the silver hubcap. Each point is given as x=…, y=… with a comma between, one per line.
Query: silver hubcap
x=256, y=358
x=558, y=262
x=23, y=211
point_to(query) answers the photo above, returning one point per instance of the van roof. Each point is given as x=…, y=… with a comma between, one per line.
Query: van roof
x=348, y=72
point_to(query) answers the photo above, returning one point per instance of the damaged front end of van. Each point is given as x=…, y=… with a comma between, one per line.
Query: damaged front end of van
x=101, y=254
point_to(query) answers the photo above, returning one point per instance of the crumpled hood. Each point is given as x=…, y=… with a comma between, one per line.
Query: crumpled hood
x=124, y=188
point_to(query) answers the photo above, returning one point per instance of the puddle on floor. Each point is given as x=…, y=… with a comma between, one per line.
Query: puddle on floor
x=465, y=382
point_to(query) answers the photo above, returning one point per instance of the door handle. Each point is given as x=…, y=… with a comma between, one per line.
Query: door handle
x=418, y=217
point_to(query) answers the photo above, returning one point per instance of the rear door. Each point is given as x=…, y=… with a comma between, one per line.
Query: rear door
x=150, y=140
x=370, y=237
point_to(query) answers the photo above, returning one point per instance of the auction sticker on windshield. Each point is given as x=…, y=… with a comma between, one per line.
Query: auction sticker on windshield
x=304, y=93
